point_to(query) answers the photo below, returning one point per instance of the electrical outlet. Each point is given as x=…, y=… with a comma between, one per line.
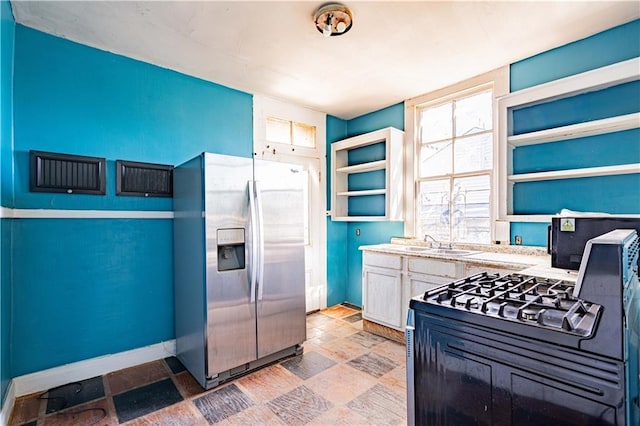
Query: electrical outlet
x=357, y=232
x=518, y=240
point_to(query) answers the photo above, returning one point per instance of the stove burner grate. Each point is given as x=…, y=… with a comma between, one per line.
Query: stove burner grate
x=531, y=300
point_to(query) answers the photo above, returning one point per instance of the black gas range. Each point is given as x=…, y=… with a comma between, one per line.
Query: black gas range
x=522, y=350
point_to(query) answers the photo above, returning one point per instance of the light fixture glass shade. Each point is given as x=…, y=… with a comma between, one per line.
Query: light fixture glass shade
x=333, y=19
x=327, y=30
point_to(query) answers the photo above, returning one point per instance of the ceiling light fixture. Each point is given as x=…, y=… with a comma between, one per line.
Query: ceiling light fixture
x=333, y=19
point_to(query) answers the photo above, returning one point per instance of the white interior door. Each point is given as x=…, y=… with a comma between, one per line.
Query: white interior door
x=315, y=227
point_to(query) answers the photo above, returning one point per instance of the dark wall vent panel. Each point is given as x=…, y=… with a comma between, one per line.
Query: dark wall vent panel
x=73, y=174
x=144, y=179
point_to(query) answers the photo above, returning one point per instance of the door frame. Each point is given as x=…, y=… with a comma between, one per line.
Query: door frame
x=265, y=150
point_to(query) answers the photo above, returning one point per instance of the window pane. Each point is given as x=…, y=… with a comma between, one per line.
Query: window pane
x=278, y=130
x=471, y=215
x=304, y=135
x=435, y=159
x=433, y=209
x=436, y=123
x=473, y=114
x=473, y=153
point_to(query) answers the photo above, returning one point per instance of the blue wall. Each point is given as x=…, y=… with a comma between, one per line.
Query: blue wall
x=7, y=32
x=75, y=99
x=345, y=284
x=89, y=287
x=337, y=262
x=608, y=47
x=610, y=194
x=107, y=289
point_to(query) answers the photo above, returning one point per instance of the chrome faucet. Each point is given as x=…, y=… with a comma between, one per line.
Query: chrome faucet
x=427, y=236
x=439, y=243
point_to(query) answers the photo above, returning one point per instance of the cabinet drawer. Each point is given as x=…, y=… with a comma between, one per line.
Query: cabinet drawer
x=477, y=269
x=419, y=283
x=382, y=260
x=440, y=268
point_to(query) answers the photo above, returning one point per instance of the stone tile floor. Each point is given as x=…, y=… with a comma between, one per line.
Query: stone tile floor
x=346, y=376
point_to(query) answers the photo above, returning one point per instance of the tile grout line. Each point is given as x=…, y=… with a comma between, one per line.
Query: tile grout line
x=326, y=324
x=111, y=407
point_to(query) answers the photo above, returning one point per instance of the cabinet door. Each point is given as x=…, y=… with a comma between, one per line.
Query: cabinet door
x=419, y=283
x=382, y=296
x=416, y=285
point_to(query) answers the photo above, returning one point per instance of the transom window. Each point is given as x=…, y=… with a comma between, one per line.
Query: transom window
x=290, y=132
x=455, y=161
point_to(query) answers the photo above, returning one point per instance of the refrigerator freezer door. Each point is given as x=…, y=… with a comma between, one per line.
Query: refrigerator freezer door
x=281, y=282
x=231, y=321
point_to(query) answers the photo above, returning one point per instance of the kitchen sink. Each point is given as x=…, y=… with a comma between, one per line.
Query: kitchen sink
x=453, y=252
x=417, y=248
x=444, y=251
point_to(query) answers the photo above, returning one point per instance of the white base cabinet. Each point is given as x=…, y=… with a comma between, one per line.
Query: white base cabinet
x=416, y=285
x=389, y=281
x=382, y=289
x=382, y=296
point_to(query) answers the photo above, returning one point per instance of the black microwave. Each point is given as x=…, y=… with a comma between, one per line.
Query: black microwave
x=569, y=235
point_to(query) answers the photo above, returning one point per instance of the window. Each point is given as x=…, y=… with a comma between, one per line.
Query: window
x=290, y=132
x=454, y=154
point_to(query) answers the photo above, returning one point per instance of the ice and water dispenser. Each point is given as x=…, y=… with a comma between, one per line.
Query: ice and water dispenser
x=231, y=249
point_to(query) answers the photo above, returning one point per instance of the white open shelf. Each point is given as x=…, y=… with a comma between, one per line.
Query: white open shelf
x=363, y=219
x=581, y=130
x=365, y=167
x=393, y=140
x=597, y=79
x=361, y=193
x=577, y=173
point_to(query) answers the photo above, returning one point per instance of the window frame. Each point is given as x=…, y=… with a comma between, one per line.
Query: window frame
x=452, y=175
x=291, y=124
x=498, y=80
x=264, y=107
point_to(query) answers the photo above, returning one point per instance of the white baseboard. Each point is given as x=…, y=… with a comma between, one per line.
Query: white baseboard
x=81, y=370
x=7, y=405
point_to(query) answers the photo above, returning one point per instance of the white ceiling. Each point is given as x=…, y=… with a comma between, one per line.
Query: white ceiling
x=395, y=50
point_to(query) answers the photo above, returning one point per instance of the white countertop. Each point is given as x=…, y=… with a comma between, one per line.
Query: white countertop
x=527, y=261
x=546, y=271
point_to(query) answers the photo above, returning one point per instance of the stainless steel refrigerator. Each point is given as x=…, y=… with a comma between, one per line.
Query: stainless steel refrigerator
x=238, y=265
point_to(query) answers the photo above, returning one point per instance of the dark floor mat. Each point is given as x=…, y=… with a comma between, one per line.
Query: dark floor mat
x=353, y=318
x=73, y=394
x=146, y=399
x=174, y=364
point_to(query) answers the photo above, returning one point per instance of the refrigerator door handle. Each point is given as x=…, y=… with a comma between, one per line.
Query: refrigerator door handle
x=253, y=223
x=260, y=233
